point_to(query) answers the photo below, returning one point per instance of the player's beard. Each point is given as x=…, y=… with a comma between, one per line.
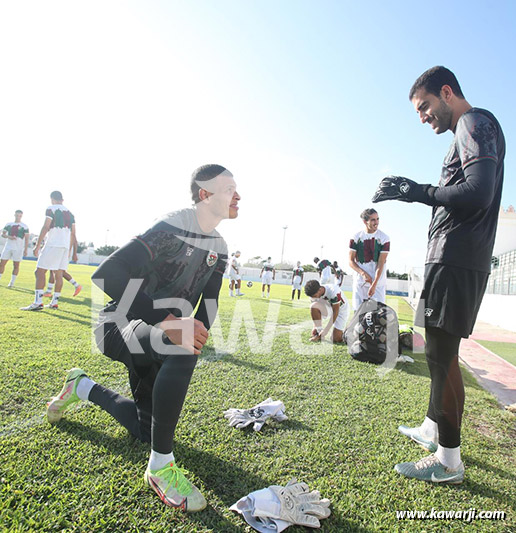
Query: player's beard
x=444, y=115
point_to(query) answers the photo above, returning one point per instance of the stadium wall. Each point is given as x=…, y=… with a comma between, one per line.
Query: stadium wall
x=395, y=287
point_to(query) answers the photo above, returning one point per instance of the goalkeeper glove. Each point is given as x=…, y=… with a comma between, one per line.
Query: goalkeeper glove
x=399, y=188
x=257, y=415
x=293, y=503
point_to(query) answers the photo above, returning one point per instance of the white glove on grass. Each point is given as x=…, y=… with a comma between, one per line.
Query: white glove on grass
x=257, y=415
x=276, y=507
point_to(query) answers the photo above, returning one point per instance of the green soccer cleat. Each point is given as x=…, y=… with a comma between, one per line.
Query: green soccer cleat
x=431, y=469
x=67, y=397
x=415, y=435
x=174, y=490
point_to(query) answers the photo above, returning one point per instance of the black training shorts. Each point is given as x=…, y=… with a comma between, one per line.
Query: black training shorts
x=451, y=298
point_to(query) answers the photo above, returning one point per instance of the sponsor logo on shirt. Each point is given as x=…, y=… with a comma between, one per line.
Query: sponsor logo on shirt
x=428, y=311
x=189, y=251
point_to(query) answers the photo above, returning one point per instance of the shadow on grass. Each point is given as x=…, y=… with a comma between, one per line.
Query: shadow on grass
x=209, y=354
x=20, y=289
x=230, y=483
x=125, y=445
x=58, y=314
x=489, y=469
x=75, y=301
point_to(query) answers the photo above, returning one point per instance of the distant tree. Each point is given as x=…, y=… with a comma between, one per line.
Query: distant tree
x=106, y=250
x=309, y=268
x=254, y=262
x=81, y=246
x=395, y=275
x=284, y=266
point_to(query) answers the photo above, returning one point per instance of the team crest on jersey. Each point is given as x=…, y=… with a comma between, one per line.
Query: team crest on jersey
x=189, y=251
x=211, y=258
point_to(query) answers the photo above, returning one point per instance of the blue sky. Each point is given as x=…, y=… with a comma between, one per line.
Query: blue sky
x=115, y=103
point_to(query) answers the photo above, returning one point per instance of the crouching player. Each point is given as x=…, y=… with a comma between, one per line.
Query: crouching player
x=155, y=281
x=327, y=299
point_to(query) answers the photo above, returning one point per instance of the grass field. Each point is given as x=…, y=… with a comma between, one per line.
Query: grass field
x=506, y=350
x=85, y=474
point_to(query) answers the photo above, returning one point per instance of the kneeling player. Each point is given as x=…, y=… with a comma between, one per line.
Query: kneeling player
x=153, y=280
x=326, y=298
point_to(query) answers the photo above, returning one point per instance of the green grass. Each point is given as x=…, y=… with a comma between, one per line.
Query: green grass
x=506, y=350
x=85, y=474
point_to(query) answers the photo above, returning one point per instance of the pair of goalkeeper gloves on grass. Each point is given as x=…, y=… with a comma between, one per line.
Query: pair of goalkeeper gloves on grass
x=399, y=188
x=275, y=508
x=257, y=415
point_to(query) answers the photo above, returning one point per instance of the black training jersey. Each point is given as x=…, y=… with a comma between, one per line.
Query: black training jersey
x=464, y=236
x=174, y=259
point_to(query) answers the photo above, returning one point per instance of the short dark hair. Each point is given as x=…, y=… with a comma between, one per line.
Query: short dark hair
x=365, y=215
x=316, y=259
x=335, y=263
x=18, y=211
x=56, y=195
x=432, y=81
x=311, y=287
x=204, y=173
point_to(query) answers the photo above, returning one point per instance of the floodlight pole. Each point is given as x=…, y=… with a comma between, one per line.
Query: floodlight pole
x=283, y=246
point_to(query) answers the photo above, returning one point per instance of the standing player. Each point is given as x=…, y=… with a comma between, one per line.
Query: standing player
x=59, y=229
x=327, y=299
x=268, y=274
x=234, y=275
x=155, y=281
x=339, y=273
x=325, y=270
x=458, y=262
x=17, y=235
x=368, y=251
x=297, y=280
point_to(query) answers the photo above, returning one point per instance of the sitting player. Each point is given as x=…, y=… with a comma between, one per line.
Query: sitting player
x=326, y=298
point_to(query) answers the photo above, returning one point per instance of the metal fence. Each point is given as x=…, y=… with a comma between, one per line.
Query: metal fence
x=503, y=274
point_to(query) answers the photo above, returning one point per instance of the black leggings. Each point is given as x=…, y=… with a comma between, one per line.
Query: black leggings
x=447, y=389
x=159, y=382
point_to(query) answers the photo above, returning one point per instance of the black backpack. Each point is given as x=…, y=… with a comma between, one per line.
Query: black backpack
x=367, y=334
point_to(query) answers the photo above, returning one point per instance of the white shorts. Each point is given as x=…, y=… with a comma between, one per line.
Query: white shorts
x=360, y=290
x=297, y=283
x=12, y=253
x=53, y=258
x=235, y=277
x=267, y=278
x=326, y=310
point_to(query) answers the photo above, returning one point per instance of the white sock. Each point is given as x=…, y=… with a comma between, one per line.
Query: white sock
x=73, y=282
x=84, y=388
x=13, y=279
x=231, y=293
x=38, y=296
x=263, y=295
x=429, y=429
x=159, y=460
x=50, y=287
x=0, y=276
x=449, y=457
x=55, y=298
